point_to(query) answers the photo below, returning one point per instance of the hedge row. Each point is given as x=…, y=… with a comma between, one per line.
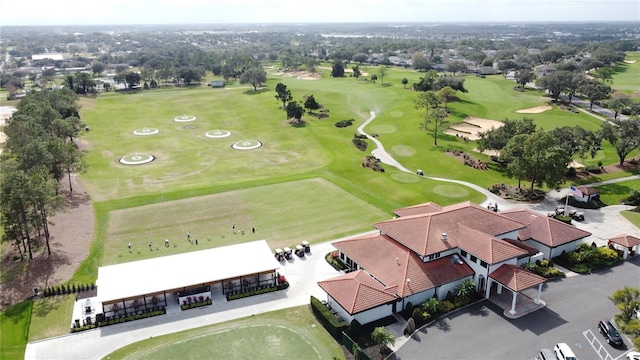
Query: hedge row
x=194, y=305
x=328, y=319
x=119, y=320
x=67, y=289
x=245, y=294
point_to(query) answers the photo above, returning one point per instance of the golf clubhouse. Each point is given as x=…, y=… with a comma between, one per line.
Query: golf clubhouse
x=427, y=250
x=135, y=286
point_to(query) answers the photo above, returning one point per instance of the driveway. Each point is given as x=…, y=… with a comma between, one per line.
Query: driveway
x=574, y=306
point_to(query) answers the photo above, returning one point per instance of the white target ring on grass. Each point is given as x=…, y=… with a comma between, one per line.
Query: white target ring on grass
x=146, y=131
x=184, y=118
x=216, y=134
x=247, y=145
x=137, y=159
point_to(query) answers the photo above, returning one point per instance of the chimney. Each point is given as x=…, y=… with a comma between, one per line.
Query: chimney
x=444, y=237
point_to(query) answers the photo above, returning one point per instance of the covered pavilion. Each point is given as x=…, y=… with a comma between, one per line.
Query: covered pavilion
x=146, y=283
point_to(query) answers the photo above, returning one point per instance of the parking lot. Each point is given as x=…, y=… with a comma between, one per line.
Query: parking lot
x=574, y=307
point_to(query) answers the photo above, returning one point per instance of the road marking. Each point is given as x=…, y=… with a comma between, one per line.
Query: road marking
x=591, y=338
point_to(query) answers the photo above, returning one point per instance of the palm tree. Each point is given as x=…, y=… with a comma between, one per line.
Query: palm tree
x=431, y=306
x=466, y=289
x=382, y=337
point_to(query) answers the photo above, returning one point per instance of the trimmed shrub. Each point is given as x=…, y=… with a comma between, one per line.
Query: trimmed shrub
x=410, y=328
x=408, y=309
x=446, y=306
x=344, y=123
x=360, y=144
x=327, y=319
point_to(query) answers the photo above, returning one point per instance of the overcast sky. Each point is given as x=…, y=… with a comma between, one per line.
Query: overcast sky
x=83, y=12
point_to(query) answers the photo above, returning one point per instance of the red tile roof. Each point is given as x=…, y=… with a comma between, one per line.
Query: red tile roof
x=486, y=247
x=420, y=209
x=357, y=291
x=528, y=248
x=626, y=240
x=515, y=277
x=587, y=190
x=392, y=264
x=545, y=230
x=423, y=233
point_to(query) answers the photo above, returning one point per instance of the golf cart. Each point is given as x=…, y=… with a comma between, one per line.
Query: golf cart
x=299, y=251
x=279, y=254
x=287, y=253
x=493, y=206
x=306, y=246
x=576, y=215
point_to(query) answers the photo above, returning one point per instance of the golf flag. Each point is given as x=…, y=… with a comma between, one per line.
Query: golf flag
x=576, y=192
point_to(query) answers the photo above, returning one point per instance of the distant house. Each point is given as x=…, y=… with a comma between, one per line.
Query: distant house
x=48, y=56
x=216, y=83
x=485, y=70
x=543, y=70
x=584, y=193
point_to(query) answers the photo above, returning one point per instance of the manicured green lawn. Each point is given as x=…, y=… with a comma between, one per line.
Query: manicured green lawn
x=612, y=194
x=51, y=317
x=209, y=219
x=14, y=327
x=633, y=217
x=286, y=334
x=627, y=76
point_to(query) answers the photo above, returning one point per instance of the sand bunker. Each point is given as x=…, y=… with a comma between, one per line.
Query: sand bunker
x=302, y=75
x=630, y=61
x=471, y=127
x=535, y=110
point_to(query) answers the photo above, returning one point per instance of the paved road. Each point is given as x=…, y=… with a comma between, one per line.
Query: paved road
x=574, y=305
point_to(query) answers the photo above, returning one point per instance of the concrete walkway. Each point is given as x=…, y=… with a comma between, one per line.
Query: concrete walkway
x=302, y=274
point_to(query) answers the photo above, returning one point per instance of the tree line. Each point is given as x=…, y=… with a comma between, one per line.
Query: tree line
x=39, y=151
x=543, y=156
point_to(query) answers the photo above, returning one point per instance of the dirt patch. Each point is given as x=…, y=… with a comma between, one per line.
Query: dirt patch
x=535, y=110
x=71, y=233
x=630, y=165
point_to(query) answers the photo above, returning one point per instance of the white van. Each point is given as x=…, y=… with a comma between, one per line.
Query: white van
x=564, y=352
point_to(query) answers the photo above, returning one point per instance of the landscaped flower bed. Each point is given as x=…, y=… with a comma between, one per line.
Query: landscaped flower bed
x=545, y=269
x=244, y=294
x=119, y=320
x=585, y=258
x=196, y=304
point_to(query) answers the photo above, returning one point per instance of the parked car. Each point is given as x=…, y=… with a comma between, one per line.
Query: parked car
x=633, y=355
x=564, y=352
x=546, y=354
x=610, y=333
